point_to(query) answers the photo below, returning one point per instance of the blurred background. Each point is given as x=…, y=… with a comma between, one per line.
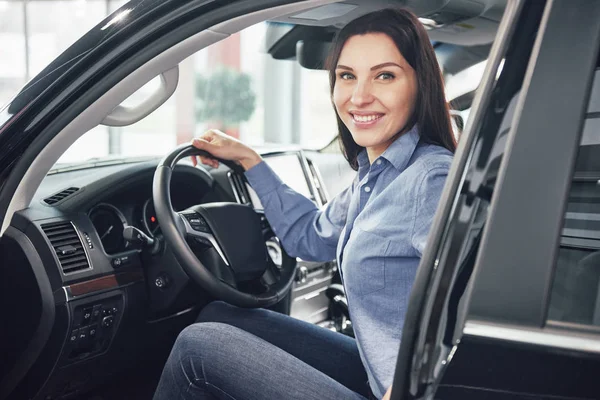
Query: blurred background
x=233, y=85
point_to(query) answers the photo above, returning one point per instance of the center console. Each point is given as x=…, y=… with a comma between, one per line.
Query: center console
x=93, y=325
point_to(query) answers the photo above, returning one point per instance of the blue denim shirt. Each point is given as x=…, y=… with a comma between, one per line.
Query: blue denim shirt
x=377, y=229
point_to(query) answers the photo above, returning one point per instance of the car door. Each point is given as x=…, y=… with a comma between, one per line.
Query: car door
x=506, y=299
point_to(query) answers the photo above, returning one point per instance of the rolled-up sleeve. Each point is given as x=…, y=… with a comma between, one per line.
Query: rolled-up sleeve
x=304, y=230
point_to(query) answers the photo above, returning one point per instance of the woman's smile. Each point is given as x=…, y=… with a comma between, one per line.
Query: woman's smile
x=364, y=119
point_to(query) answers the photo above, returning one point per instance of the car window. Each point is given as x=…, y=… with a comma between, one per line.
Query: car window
x=235, y=86
x=575, y=293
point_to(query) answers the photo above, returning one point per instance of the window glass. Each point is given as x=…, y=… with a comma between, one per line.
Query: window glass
x=233, y=85
x=575, y=293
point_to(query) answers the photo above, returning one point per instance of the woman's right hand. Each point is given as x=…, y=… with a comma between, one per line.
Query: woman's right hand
x=226, y=147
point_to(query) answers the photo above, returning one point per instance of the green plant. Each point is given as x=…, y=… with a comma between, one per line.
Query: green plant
x=225, y=96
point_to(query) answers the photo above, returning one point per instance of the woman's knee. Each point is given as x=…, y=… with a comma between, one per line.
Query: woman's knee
x=198, y=339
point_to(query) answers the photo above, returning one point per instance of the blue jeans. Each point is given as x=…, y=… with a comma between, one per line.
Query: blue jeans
x=235, y=353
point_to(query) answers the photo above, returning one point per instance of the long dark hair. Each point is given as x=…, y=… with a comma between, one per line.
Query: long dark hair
x=431, y=109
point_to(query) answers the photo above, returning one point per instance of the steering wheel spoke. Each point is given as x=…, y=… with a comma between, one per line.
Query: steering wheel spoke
x=197, y=228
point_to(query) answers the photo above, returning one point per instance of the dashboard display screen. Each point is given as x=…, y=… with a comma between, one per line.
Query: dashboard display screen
x=289, y=169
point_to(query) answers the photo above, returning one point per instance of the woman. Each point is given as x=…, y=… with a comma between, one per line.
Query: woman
x=395, y=130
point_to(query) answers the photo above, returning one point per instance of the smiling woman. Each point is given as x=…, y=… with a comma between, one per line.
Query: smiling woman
x=395, y=129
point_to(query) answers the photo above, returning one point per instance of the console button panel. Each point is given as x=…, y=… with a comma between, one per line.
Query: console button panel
x=93, y=326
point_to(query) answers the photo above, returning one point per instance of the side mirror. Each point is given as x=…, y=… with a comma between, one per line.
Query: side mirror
x=312, y=54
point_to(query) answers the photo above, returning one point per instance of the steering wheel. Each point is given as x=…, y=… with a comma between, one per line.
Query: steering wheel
x=236, y=232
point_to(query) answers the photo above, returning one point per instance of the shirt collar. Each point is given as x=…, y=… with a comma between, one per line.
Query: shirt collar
x=398, y=153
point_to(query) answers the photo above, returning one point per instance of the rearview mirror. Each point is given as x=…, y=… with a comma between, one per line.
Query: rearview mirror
x=312, y=54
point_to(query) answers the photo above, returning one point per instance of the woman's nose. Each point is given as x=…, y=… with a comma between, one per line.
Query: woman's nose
x=362, y=94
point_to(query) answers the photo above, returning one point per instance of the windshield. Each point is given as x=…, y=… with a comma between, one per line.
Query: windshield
x=233, y=85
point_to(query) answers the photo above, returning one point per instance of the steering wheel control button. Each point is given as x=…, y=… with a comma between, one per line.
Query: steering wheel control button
x=199, y=224
x=203, y=240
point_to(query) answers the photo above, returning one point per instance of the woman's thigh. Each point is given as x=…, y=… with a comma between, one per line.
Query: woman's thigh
x=214, y=360
x=332, y=353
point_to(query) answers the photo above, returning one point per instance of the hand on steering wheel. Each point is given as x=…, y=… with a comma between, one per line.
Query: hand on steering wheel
x=220, y=145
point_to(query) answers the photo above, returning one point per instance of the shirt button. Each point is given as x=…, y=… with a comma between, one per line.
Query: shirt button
x=378, y=162
x=367, y=189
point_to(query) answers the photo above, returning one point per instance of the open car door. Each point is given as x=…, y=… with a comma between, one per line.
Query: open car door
x=482, y=319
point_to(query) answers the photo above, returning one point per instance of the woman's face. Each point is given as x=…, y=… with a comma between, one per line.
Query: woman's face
x=375, y=91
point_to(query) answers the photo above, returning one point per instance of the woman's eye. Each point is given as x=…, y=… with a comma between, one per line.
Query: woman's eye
x=346, y=75
x=385, y=76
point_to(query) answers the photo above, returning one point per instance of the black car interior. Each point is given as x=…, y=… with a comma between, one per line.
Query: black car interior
x=97, y=276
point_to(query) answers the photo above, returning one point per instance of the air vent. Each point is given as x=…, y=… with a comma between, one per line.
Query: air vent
x=63, y=194
x=239, y=188
x=67, y=246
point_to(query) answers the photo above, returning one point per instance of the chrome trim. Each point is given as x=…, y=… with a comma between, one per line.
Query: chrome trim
x=546, y=337
x=308, y=283
x=70, y=297
x=211, y=238
x=318, y=178
x=310, y=178
x=311, y=295
x=233, y=188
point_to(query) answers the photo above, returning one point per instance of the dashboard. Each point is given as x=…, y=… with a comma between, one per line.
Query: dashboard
x=98, y=292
